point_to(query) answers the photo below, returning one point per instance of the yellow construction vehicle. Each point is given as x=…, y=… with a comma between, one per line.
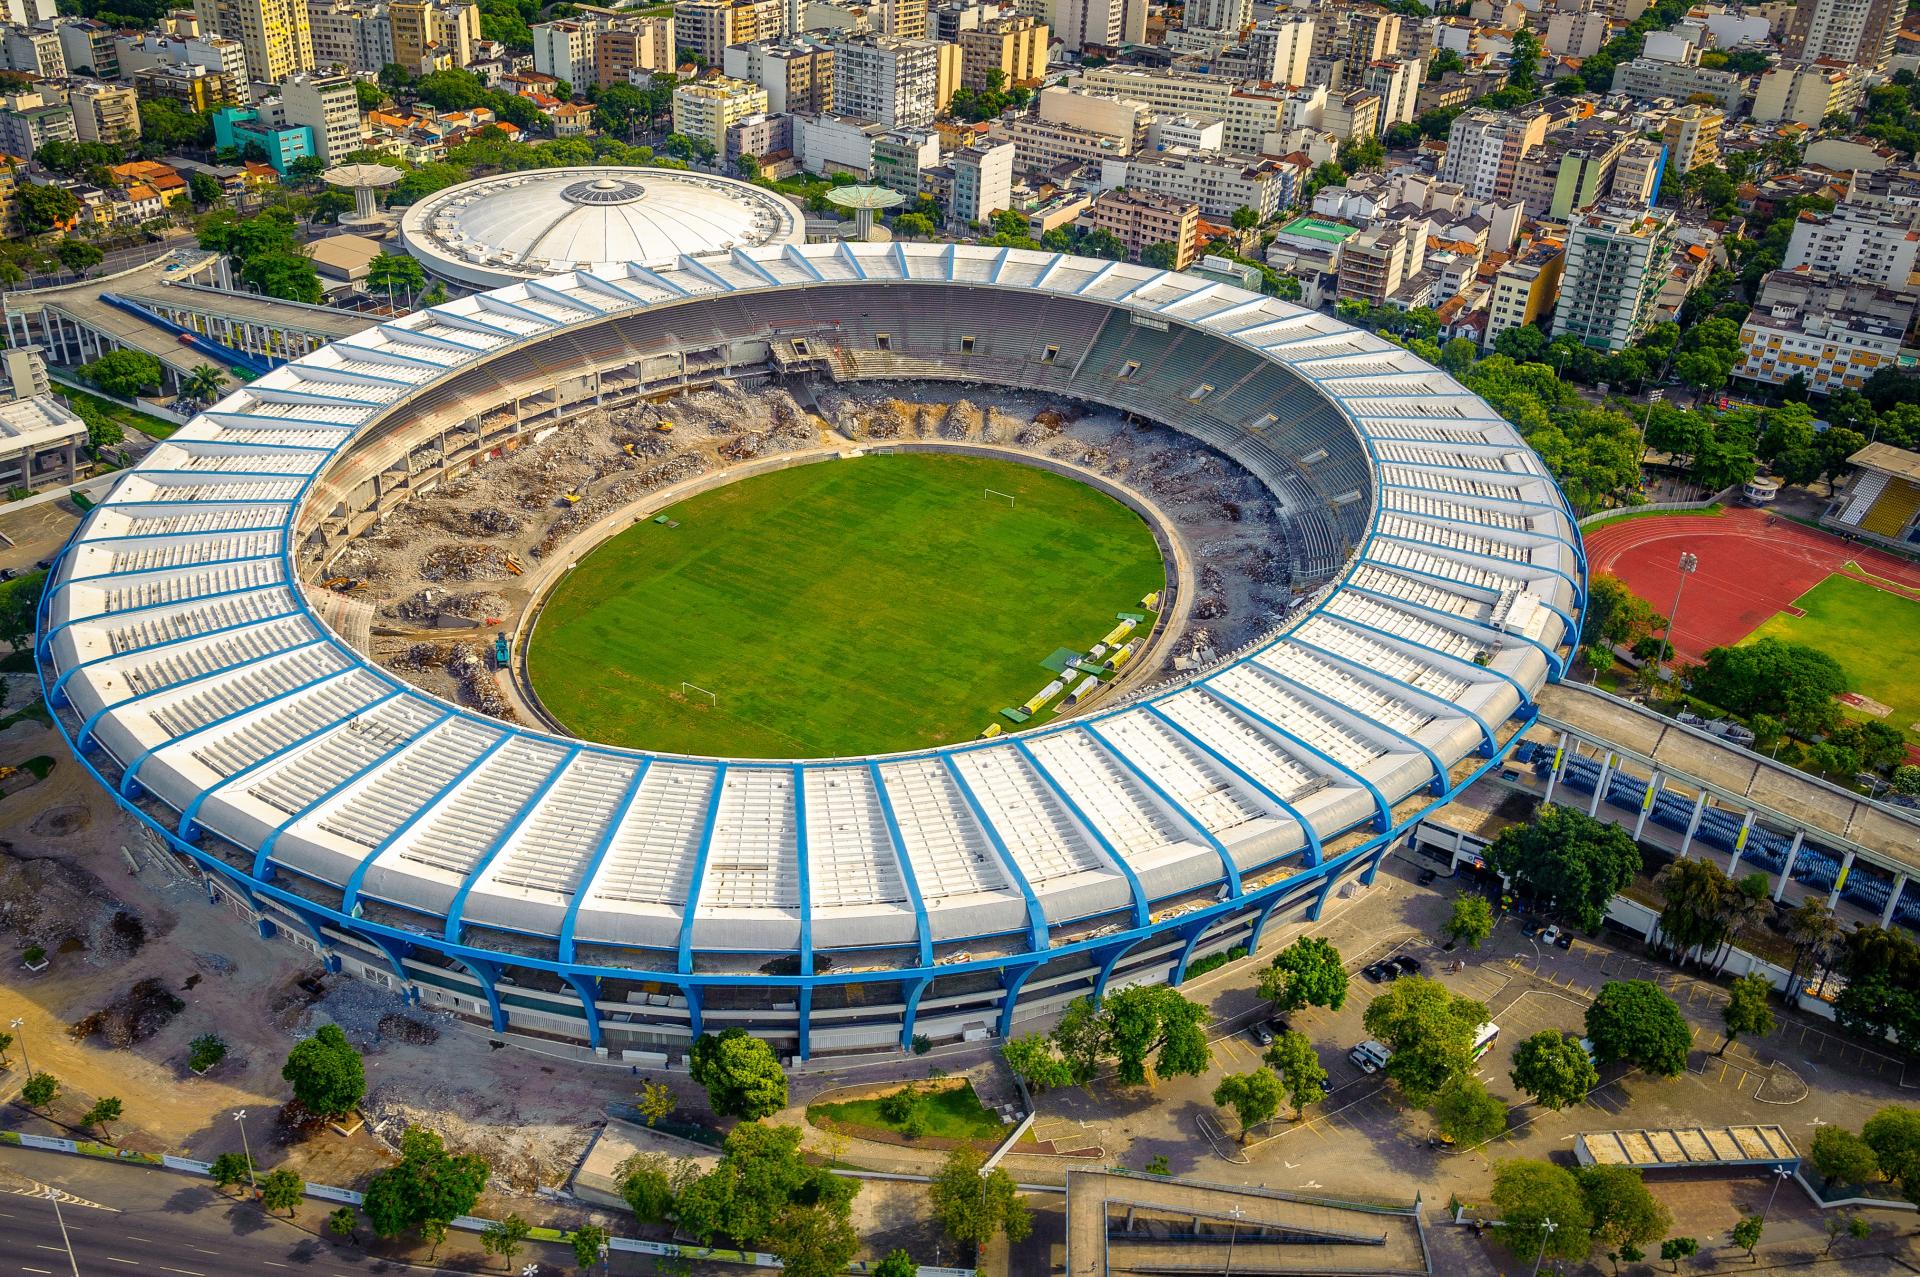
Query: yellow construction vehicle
x=664, y=427
x=627, y=448
x=570, y=497
x=342, y=584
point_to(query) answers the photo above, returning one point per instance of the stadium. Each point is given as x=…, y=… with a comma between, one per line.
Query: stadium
x=625, y=900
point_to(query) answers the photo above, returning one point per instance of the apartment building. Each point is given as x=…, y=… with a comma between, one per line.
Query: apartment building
x=564, y=50
x=1120, y=118
x=1525, y=286
x=1875, y=245
x=275, y=34
x=884, y=78
x=1616, y=264
x=1376, y=263
x=1352, y=115
x=1638, y=173
x=642, y=46
x=433, y=34
x=353, y=34
x=328, y=105
x=797, y=74
x=1831, y=331
x=708, y=108
x=1218, y=15
x=1397, y=84
x=1484, y=150
x=25, y=129
x=1650, y=78
x=1016, y=47
x=900, y=156
x=1252, y=114
x=1807, y=93
x=707, y=27
x=982, y=182
x=1692, y=135
x=1850, y=32
x=1577, y=34
x=1040, y=146
x=1217, y=183
x=1140, y=219
x=1570, y=170
x=107, y=113
x=193, y=87
x=1280, y=47
x=87, y=47
x=34, y=53
x=1083, y=23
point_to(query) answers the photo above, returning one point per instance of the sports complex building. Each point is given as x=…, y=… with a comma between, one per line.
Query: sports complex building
x=628, y=900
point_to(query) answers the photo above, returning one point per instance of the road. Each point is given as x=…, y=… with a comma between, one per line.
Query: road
x=131, y=1221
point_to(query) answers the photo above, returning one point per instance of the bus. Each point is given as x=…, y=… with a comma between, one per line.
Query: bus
x=1484, y=1037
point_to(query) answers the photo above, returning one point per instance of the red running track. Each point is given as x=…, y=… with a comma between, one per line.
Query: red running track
x=1752, y=566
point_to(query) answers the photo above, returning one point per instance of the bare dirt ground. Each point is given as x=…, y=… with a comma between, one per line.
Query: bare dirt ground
x=444, y=572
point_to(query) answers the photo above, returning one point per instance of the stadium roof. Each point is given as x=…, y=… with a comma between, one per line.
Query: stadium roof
x=496, y=230
x=1884, y=456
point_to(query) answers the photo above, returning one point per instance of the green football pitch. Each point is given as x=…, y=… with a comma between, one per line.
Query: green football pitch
x=854, y=606
x=1874, y=635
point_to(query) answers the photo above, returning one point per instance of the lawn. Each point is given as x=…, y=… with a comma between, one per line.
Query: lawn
x=1873, y=634
x=952, y=1114
x=129, y=418
x=848, y=607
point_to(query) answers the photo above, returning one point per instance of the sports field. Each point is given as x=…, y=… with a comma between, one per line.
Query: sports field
x=855, y=606
x=1874, y=635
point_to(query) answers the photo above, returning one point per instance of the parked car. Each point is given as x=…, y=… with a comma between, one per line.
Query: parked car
x=1260, y=1034
x=1406, y=963
x=1370, y=1056
x=1378, y=972
x=1278, y=1025
x=1550, y=936
x=1564, y=940
x=1427, y=876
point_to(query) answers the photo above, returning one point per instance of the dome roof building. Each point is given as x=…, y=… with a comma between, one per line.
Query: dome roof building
x=518, y=226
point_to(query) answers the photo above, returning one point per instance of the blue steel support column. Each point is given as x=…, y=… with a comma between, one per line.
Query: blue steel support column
x=1112, y=960
x=696, y=1021
x=599, y=853
x=914, y=994
x=1439, y=785
x=310, y=921
x=1320, y=901
x=1260, y=922
x=585, y=986
x=923, y=926
x=1012, y=979
x=488, y=974
x=1178, y=975
x=263, y=855
x=685, y=963
x=1228, y=869
x=804, y=1001
x=395, y=952
x=1487, y=742
x=1310, y=843
x=350, y=895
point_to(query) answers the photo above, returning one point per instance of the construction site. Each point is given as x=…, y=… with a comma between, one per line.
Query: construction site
x=433, y=588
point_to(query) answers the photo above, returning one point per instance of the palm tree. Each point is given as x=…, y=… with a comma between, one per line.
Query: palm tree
x=1811, y=927
x=1747, y=905
x=1697, y=895
x=203, y=383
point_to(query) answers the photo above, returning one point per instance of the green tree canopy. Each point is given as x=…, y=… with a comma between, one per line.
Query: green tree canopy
x=1554, y=1069
x=1307, y=973
x=282, y=1189
x=1430, y=1031
x=1793, y=682
x=1527, y=1194
x=325, y=1073
x=1749, y=1009
x=1893, y=1134
x=1636, y=1022
x=1843, y=1158
x=1568, y=858
x=760, y=1174
x=125, y=374
x=428, y=1184
x=1471, y=921
x=1292, y=1057
x=1154, y=1026
x=973, y=1208
x=1254, y=1097
x=1037, y=1063
x=740, y=1072
x=1467, y=1114
x=1621, y=1212
x=813, y=1241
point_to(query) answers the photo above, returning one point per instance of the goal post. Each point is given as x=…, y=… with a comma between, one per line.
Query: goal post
x=994, y=494
x=696, y=688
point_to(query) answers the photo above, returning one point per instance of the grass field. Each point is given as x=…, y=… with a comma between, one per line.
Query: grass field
x=952, y=1114
x=847, y=607
x=1873, y=634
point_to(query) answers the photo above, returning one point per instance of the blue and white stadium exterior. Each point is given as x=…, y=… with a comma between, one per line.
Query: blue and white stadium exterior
x=624, y=900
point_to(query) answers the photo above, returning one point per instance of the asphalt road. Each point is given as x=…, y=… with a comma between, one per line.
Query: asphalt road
x=129, y=1221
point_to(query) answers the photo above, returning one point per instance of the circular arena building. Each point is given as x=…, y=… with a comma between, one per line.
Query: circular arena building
x=624, y=900
x=518, y=226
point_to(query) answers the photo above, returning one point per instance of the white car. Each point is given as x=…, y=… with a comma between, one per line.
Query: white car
x=1549, y=937
x=1370, y=1056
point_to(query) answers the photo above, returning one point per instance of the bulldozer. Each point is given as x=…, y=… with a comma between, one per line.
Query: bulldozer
x=664, y=427
x=342, y=584
x=570, y=497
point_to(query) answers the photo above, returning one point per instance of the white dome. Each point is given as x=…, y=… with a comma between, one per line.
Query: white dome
x=516, y=226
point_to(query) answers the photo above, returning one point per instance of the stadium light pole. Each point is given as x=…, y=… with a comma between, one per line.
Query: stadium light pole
x=1780, y=1174
x=1689, y=564
x=240, y=1119
x=20, y=1036
x=1548, y=1226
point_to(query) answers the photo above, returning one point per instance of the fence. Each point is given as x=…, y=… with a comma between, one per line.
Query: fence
x=1658, y=507
x=467, y=1223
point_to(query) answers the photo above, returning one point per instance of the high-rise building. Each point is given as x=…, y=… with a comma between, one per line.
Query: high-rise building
x=982, y=181
x=1850, y=32
x=1856, y=241
x=28, y=12
x=354, y=34
x=1525, y=286
x=275, y=34
x=1616, y=264
x=708, y=108
x=105, y=112
x=87, y=47
x=1398, y=84
x=194, y=87
x=1141, y=219
x=1807, y=94
x=25, y=129
x=1692, y=135
x=886, y=79
x=1218, y=15
x=1280, y=48
x=797, y=74
x=563, y=50
x=635, y=44
x=1832, y=332
x=430, y=33
x=1484, y=150
x=1016, y=47
x=707, y=27
x=329, y=106
x=1638, y=173
x=1079, y=23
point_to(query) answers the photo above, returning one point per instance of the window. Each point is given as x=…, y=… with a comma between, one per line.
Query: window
x=1053, y=353
x=883, y=341
x=1127, y=370
x=966, y=345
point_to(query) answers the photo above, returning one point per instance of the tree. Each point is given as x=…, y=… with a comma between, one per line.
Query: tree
x=1154, y=1025
x=971, y=1207
x=914, y=226
x=427, y=1184
x=1746, y=1233
x=205, y=1051
x=288, y=276
x=1749, y=1010
x=326, y=1074
x=1430, y=1032
x=79, y=256
x=1675, y=1249
x=343, y=1221
x=1254, y=1098
x=203, y=383
x=1467, y=1113
x=1636, y=1022
x=1698, y=906
x=646, y=1184
x=1527, y=1194
x=1292, y=1057
x=124, y=374
x=656, y=1100
x=1471, y=922
x=760, y=1174
x=504, y=1237
x=390, y=271
x=1553, y=1069
x=1307, y=973
x=39, y=1090
x=1615, y=615
x=1621, y=1214
x=740, y=1073
x=6, y=1039
x=1163, y=255
x=1906, y=780
x=105, y=1109
x=1244, y=218
x=587, y=1241
x=1570, y=859
x=1083, y=1037
x=229, y=1169
x=281, y=1190
x=1034, y=1060
x=898, y=1263
x=44, y=207
x=813, y=1241
x=1791, y=681
x=1843, y=1158
x=1893, y=1134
